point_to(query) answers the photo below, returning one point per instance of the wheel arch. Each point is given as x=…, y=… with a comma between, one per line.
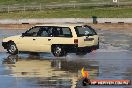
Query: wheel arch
x=6, y=44
x=69, y=48
x=11, y=41
x=53, y=45
x=63, y=51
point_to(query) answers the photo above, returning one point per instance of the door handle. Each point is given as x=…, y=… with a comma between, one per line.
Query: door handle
x=34, y=39
x=49, y=39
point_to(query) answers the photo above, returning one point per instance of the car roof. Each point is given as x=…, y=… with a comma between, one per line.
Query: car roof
x=61, y=25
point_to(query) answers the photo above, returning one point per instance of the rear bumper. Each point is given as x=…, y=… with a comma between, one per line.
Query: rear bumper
x=88, y=48
x=4, y=44
x=75, y=48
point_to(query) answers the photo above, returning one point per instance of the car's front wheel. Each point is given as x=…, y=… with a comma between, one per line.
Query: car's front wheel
x=58, y=51
x=12, y=49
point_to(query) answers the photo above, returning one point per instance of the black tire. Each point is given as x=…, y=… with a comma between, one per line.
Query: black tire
x=89, y=51
x=58, y=51
x=81, y=53
x=12, y=49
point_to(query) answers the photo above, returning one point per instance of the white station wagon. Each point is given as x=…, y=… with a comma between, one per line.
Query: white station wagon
x=58, y=39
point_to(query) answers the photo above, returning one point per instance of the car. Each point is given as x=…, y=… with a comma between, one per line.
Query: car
x=59, y=39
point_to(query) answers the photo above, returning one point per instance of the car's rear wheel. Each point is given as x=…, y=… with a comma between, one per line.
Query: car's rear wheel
x=58, y=51
x=83, y=51
x=12, y=49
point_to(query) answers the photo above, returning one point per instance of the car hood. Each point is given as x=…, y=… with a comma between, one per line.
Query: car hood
x=13, y=38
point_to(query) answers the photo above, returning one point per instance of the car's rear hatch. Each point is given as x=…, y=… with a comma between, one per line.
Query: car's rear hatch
x=86, y=36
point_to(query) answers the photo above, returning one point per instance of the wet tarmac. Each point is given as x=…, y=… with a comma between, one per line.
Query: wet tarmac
x=112, y=61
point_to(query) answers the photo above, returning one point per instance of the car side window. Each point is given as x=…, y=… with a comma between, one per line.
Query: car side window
x=44, y=32
x=66, y=32
x=33, y=32
x=56, y=32
x=61, y=32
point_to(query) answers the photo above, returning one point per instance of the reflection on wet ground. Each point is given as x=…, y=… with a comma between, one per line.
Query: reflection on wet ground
x=39, y=71
x=44, y=72
x=42, y=67
x=112, y=61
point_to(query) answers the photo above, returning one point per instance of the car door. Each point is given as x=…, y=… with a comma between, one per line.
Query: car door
x=86, y=36
x=43, y=40
x=27, y=40
x=62, y=35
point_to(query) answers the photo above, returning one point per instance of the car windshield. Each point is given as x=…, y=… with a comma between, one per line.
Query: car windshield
x=32, y=32
x=84, y=31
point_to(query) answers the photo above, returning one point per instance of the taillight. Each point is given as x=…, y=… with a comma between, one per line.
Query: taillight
x=76, y=41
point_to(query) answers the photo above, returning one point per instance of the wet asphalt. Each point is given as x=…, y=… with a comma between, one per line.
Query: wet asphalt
x=112, y=61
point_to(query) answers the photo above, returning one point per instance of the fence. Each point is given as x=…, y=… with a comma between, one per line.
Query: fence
x=40, y=7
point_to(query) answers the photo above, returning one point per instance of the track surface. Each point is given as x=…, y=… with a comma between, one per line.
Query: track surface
x=112, y=61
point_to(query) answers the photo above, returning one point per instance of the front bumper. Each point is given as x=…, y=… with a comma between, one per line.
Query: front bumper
x=5, y=45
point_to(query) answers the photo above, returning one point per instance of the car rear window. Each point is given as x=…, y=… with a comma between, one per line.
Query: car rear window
x=84, y=31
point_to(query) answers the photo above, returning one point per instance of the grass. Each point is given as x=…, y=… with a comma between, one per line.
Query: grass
x=9, y=2
x=109, y=12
